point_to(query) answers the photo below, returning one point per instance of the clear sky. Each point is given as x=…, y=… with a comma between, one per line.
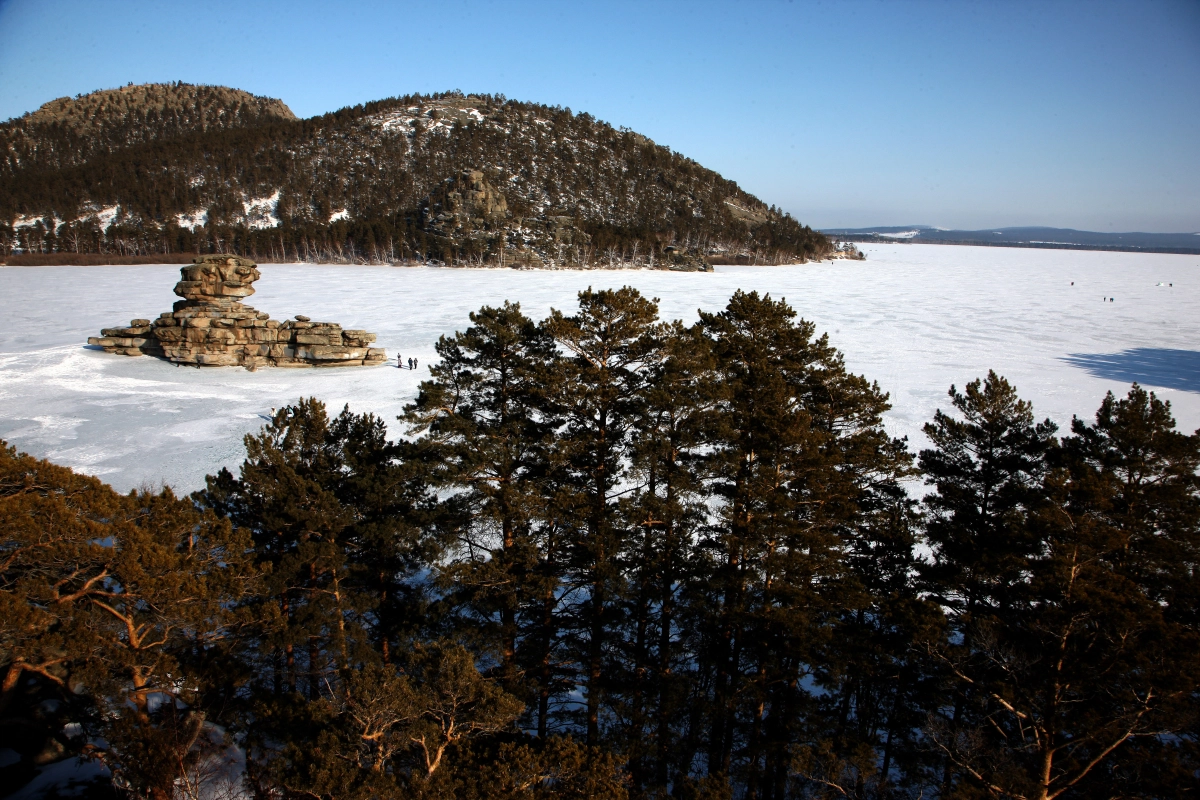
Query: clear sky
x=958, y=114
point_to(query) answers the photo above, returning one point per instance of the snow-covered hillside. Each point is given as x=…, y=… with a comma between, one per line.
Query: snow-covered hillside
x=913, y=318
x=375, y=183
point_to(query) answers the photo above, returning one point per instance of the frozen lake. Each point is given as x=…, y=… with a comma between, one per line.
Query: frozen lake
x=915, y=318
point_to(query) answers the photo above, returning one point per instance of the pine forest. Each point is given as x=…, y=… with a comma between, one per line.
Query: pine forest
x=606, y=556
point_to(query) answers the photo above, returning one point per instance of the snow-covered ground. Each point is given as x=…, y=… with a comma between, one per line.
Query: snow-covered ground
x=260, y=211
x=915, y=318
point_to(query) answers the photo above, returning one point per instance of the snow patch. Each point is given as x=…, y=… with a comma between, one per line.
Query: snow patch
x=394, y=120
x=260, y=211
x=192, y=220
x=106, y=216
x=900, y=235
x=28, y=221
x=404, y=120
x=335, y=216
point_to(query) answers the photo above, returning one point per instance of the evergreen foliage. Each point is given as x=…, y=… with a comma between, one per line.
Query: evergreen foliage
x=614, y=557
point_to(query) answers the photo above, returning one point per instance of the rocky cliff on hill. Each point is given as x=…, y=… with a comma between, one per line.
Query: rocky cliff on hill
x=452, y=178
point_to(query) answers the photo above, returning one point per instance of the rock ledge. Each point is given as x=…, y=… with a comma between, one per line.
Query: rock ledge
x=211, y=327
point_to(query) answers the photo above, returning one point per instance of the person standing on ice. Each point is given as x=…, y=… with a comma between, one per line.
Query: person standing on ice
x=399, y=362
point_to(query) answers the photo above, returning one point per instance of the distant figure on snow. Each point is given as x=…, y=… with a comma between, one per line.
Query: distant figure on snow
x=399, y=362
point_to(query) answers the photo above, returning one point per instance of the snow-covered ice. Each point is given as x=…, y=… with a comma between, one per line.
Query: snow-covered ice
x=915, y=318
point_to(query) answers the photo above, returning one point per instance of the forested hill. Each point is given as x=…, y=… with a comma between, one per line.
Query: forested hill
x=70, y=131
x=460, y=179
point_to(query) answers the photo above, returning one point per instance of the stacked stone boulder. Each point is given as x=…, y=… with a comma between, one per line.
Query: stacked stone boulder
x=211, y=327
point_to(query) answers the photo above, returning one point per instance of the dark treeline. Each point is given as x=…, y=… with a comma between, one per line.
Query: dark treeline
x=92, y=259
x=615, y=557
x=354, y=185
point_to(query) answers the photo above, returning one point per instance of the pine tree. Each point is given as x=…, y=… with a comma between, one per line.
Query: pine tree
x=987, y=471
x=387, y=732
x=118, y=608
x=162, y=621
x=654, y=677
x=1109, y=630
x=342, y=518
x=864, y=739
x=1071, y=648
x=54, y=522
x=397, y=527
x=799, y=446
x=488, y=417
x=612, y=343
x=286, y=498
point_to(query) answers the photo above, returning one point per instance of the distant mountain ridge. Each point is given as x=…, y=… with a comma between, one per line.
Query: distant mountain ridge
x=1033, y=236
x=459, y=179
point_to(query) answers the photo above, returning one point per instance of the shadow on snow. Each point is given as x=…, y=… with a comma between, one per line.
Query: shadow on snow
x=1171, y=369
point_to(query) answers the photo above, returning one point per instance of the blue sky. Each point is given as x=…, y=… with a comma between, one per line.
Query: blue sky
x=957, y=114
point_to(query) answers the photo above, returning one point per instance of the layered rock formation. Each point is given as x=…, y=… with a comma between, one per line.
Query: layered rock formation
x=464, y=204
x=211, y=327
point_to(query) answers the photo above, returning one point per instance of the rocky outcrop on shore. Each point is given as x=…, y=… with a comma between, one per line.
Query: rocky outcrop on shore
x=211, y=327
x=848, y=251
